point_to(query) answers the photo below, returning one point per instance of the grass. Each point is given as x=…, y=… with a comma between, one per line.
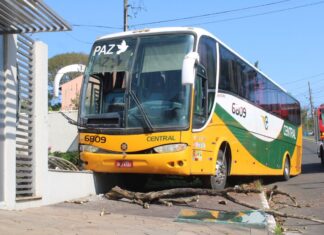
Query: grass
x=278, y=230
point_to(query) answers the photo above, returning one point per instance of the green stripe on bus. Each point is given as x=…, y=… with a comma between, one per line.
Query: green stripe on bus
x=267, y=153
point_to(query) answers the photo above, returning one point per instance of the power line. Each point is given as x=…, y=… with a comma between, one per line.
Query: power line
x=261, y=14
x=305, y=92
x=301, y=93
x=184, y=18
x=96, y=26
x=210, y=14
x=305, y=78
x=77, y=39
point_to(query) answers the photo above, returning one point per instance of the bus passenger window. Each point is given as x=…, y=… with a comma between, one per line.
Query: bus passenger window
x=232, y=80
x=200, y=99
x=207, y=53
x=238, y=76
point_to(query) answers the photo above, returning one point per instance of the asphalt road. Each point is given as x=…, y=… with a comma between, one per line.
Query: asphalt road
x=308, y=188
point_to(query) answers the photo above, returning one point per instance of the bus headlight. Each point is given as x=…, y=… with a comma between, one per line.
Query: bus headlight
x=170, y=148
x=89, y=148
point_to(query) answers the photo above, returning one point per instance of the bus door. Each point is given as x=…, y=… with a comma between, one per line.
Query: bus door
x=204, y=96
x=202, y=155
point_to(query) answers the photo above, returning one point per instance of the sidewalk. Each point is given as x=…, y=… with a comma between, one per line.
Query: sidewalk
x=52, y=220
x=102, y=216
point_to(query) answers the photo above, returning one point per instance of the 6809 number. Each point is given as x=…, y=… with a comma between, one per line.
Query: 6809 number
x=95, y=139
x=239, y=110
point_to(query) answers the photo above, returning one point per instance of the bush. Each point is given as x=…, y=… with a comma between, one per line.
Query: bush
x=69, y=156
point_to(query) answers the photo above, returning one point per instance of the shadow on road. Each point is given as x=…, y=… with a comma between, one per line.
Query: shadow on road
x=312, y=168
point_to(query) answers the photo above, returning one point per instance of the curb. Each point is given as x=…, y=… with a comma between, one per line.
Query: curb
x=270, y=219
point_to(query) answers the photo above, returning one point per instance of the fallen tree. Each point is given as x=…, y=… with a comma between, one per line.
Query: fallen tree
x=186, y=195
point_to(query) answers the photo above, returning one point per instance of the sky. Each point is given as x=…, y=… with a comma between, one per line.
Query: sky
x=286, y=37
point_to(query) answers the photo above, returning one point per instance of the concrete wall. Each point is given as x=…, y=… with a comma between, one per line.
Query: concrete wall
x=50, y=186
x=60, y=186
x=63, y=186
x=8, y=108
x=62, y=135
x=2, y=107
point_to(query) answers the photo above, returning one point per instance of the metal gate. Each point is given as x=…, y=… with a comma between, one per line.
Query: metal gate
x=25, y=183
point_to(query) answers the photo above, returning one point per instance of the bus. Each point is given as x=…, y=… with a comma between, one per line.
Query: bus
x=178, y=101
x=319, y=131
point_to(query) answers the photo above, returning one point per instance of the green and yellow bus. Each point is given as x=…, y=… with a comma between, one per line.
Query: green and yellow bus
x=178, y=101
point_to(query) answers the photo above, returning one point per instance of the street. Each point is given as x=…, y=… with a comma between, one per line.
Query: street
x=308, y=188
x=102, y=216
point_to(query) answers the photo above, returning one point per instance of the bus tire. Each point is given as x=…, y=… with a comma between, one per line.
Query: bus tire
x=321, y=154
x=286, y=170
x=219, y=180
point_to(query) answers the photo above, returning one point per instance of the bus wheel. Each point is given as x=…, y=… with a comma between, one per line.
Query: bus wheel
x=322, y=156
x=286, y=171
x=218, y=181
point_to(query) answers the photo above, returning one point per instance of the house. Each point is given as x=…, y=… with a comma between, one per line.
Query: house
x=25, y=180
x=70, y=92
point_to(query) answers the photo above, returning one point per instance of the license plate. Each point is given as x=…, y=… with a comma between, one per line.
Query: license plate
x=124, y=164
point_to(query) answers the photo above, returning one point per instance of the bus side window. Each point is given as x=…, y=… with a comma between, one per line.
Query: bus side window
x=200, y=99
x=223, y=79
x=207, y=53
x=239, y=78
x=225, y=73
x=231, y=74
x=245, y=84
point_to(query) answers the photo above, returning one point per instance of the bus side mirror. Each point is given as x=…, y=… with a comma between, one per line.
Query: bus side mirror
x=188, y=68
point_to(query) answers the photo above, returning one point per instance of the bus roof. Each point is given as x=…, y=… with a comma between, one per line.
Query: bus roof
x=198, y=31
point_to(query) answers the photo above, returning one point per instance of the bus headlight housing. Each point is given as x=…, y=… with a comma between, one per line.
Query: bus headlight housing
x=89, y=148
x=170, y=148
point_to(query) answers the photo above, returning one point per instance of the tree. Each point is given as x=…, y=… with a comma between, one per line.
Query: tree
x=59, y=61
x=55, y=64
x=306, y=118
x=75, y=101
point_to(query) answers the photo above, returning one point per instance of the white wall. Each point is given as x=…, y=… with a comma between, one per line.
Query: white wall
x=50, y=186
x=8, y=120
x=62, y=135
x=63, y=186
x=2, y=107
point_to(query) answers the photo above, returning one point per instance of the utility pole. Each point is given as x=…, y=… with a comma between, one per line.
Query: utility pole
x=125, y=15
x=311, y=105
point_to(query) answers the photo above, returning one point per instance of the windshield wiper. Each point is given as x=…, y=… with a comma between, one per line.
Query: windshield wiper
x=140, y=107
x=75, y=123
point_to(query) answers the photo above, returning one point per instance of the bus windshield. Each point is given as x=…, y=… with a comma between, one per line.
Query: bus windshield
x=135, y=82
x=322, y=116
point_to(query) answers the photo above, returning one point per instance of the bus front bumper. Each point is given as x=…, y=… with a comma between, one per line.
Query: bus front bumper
x=175, y=163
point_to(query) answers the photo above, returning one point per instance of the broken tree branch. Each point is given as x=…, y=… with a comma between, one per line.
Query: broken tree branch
x=275, y=191
x=182, y=200
x=116, y=193
x=166, y=197
x=287, y=215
